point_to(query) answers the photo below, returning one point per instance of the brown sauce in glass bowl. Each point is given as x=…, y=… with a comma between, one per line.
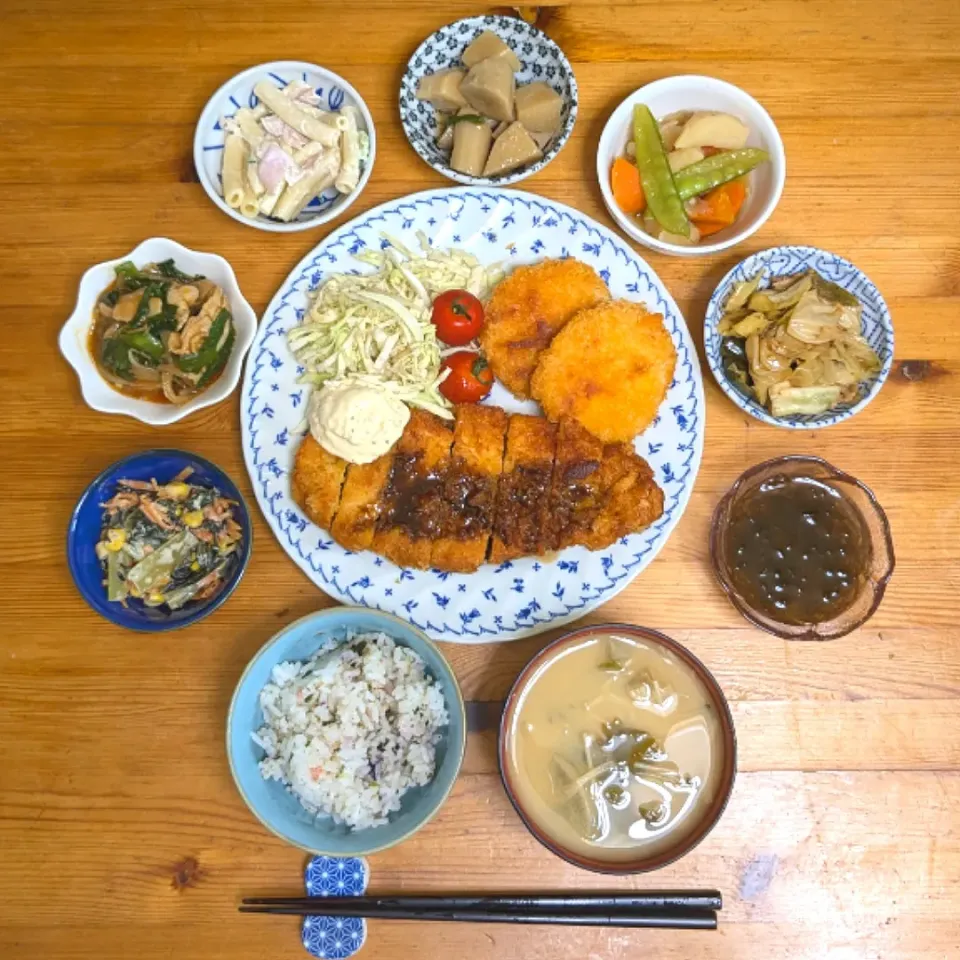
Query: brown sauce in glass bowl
x=797, y=550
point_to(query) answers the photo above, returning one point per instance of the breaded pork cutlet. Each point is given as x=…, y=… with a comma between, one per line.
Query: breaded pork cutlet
x=599, y=492
x=609, y=368
x=492, y=485
x=413, y=507
x=317, y=479
x=526, y=311
x=520, y=527
x=470, y=488
x=355, y=522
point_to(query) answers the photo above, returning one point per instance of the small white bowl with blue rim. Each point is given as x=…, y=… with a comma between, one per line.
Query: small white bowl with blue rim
x=208, y=141
x=541, y=60
x=877, y=326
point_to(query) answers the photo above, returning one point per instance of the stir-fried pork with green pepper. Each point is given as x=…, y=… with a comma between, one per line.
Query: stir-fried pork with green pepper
x=167, y=543
x=160, y=334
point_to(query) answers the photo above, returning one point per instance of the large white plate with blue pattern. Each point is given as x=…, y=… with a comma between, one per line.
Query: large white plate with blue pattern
x=513, y=599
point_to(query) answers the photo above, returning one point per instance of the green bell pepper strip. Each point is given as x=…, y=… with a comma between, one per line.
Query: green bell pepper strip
x=721, y=168
x=169, y=269
x=208, y=353
x=220, y=360
x=143, y=342
x=663, y=201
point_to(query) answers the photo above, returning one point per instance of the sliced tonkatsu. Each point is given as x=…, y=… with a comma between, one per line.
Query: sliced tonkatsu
x=600, y=492
x=317, y=481
x=490, y=487
x=520, y=527
x=470, y=488
x=413, y=508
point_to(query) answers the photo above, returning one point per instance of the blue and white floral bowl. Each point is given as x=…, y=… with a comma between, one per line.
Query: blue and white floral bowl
x=541, y=61
x=238, y=92
x=784, y=261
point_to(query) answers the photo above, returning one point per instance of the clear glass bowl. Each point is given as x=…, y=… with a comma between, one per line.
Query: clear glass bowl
x=881, y=560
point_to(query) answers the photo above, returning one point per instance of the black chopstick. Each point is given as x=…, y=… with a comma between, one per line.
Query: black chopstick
x=675, y=919
x=652, y=900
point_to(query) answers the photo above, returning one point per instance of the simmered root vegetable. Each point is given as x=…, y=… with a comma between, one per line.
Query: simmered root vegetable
x=796, y=346
x=691, y=170
x=486, y=124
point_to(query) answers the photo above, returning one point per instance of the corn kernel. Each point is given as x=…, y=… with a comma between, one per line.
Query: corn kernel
x=194, y=566
x=193, y=518
x=176, y=490
x=116, y=538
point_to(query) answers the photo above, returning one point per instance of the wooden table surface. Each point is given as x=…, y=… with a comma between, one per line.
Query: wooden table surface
x=121, y=832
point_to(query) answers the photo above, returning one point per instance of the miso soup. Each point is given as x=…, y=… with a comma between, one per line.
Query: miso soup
x=615, y=749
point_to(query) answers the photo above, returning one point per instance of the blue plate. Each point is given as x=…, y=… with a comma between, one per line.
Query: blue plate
x=781, y=262
x=84, y=532
x=277, y=809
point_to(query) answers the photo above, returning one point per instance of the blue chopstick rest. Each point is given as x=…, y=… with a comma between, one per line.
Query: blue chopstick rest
x=335, y=938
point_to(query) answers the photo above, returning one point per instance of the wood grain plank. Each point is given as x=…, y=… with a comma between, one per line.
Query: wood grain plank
x=842, y=839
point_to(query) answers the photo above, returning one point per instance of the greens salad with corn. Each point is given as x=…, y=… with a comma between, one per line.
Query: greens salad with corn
x=167, y=544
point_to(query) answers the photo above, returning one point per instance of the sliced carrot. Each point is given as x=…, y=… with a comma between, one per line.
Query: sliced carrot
x=719, y=206
x=706, y=227
x=626, y=186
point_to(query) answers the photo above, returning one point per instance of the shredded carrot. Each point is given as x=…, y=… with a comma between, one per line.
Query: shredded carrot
x=626, y=186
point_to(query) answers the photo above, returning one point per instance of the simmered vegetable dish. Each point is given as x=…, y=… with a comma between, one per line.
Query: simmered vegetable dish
x=796, y=347
x=167, y=543
x=684, y=177
x=160, y=334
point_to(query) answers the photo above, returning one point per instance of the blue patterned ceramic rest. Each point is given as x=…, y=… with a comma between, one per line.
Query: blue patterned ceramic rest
x=513, y=599
x=781, y=262
x=333, y=938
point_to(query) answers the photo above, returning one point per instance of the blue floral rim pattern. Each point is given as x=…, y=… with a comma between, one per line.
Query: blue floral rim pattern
x=784, y=261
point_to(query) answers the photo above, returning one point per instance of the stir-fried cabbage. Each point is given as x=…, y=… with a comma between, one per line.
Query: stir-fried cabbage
x=797, y=345
x=376, y=327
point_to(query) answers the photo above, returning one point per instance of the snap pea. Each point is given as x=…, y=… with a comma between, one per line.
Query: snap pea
x=717, y=170
x=663, y=201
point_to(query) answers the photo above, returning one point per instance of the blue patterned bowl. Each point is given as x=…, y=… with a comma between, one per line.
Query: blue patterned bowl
x=783, y=261
x=541, y=60
x=238, y=92
x=277, y=809
x=84, y=532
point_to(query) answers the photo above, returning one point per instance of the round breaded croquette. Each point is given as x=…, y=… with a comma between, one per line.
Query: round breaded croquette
x=609, y=368
x=526, y=311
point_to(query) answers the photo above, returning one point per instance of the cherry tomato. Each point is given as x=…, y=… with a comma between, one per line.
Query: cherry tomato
x=470, y=378
x=458, y=317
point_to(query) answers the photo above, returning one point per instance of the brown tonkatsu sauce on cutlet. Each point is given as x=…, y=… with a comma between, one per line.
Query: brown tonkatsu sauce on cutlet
x=489, y=487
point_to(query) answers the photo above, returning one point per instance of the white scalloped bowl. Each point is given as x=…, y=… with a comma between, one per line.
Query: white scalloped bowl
x=670, y=95
x=75, y=333
x=238, y=92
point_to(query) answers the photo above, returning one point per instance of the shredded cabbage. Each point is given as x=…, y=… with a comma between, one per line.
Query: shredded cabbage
x=375, y=328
